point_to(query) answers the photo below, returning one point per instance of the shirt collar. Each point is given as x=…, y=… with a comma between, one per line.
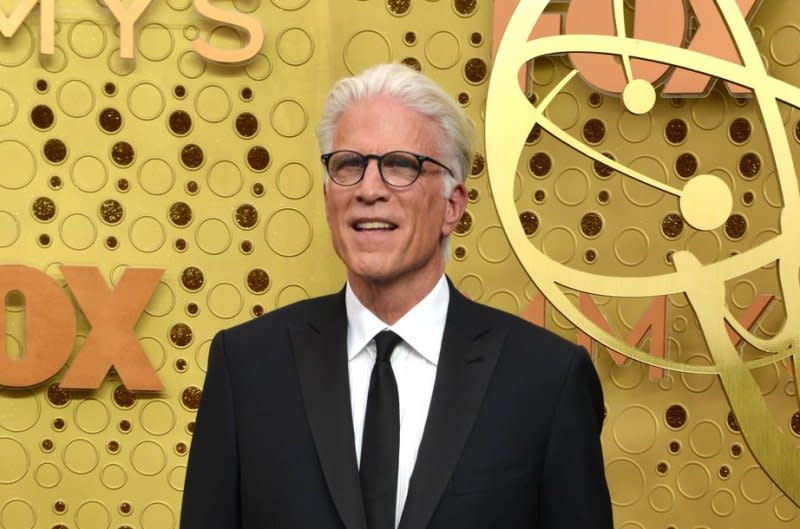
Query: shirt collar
x=422, y=327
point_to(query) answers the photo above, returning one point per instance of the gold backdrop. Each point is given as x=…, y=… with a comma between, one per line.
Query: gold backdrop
x=210, y=172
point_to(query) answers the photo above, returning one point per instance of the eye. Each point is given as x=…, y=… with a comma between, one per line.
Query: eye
x=402, y=161
x=346, y=161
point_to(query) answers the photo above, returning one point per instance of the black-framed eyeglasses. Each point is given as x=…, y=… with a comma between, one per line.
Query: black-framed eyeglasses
x=397, y=168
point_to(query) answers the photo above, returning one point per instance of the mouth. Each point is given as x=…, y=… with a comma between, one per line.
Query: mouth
x=374, y=225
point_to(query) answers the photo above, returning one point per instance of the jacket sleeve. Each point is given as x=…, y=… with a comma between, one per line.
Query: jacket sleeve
x=574, y=493
x=211, y=490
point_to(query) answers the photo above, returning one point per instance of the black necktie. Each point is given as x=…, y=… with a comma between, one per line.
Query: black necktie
x=380, y=446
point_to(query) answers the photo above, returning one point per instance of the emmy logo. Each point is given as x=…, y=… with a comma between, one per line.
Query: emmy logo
x=634, y=67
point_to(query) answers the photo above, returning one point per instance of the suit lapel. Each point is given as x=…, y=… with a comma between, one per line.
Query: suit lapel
x=320, y=351
x=469, y=353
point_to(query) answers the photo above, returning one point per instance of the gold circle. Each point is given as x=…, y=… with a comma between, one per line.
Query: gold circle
x=191, y=65
x=259, y=68
x=201, y=355
x=365, y=48
x=706, y=202
x=289, y=5
x=639, y=96
x=756, y=486
x=631, y=246
x=148, y=458
x=113, y=476
x=213, y=236
x=723, y=502
x=18, y=48
x=212, y=103
x=146, y=101
x=92, y=514
x=225, y=179
x=118, y=65
x=706, y=439
x=176, y=478
x=294, y=180
x=155, y=42
x=47, y=475
x=693, y=480
x=635, y=127
x=21, y=409
x=493, y=245
x=629, y=479
x=642, y=194
x=225, y=301
x=472, y=286
x=24, y=168
x=75, y=98
x=443, y=50
x=80, y=456
x=288, y=232
x=89, y=174
x=635, y=429
x=705, y=245
x=87, y=39
x=662, y=498
x=783, y=46
x=295, y=46
x=559, y=244
x=17, y=514
x=698, y=382
x=8, y=108
x=92, y=416
x=147, y=234
x=627, y=376
x=54, y=63
x=14, y=461
x=709, y=112
x=563, y=110
x=785, y=509
x=157, y=417
x=743, y=294
x=78, y=231
x=572, y=186
x=288, y=118
x=162, y=301
x=156, y=176
x=154, y=351
x=156, y=515
x=291, y=294
x=504, y=300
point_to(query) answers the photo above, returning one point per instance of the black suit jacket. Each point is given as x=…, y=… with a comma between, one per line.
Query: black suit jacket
x=511, y=440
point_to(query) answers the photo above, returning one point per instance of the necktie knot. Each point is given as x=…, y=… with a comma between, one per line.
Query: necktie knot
x=385, y=342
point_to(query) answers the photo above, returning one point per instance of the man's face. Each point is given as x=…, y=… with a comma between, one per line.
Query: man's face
x=385, y=234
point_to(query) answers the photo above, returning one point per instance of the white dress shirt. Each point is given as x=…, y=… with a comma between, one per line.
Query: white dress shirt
x=414, y=364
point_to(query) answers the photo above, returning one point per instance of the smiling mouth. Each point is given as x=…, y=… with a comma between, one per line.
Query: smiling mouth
x=374, y=225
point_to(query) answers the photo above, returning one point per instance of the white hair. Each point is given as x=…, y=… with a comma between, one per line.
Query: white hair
x=417, y=92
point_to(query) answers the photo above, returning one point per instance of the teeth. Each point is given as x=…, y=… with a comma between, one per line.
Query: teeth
x=374, y=225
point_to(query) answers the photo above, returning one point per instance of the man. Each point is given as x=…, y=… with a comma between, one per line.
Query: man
x=470, y=417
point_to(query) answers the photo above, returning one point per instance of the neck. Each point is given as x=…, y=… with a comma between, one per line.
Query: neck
x=391, y=300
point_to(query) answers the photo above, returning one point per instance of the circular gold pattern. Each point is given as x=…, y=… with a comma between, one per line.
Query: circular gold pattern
x=465, y=7
x=180, y=244
x=473, y=195
x=733, y=424
x=478, y=164
x=410, y=38
x=736, y=226
x=180, y=363
x=748, y=197
x=191, y=397
x=602, y=170
x=795, y=423
x=123, y=397
x=529, y=221
x=44, y=209
x=59, y=506
x=590, y=255
x=55, y=182
x=180, y=214
x=398, y=7
x=180, y=122
x=192, y=156
x=595, y=99
x=594, y=131
x=246, y=125
x=662, y=468
x=603, y=196
x=190, y=427
x=476, y=39
x=534, y=134
x=125, y=507
x=110, y=89
x=463, y=98
x=257, y=310
x=180, y=334
x=258, y=189
x=110, y=119
x=475, y=70
x=179, y=91
x=676, y=416
x=750, y=165
x=674, y=447
x=676, y=131
x=44, y=239
x=736, y=450
x=113, y=446
x=42, y=117
x=464, y=224
x=55, y=150
x=57, y=395
x=412, y=62
x=41, y=85
x=258, y=280
x=111, y=211
x=672, y=225
x=192, y=278
x=60, y=526
x=540, y=164
x=686, y=165
x=258, y=158
x=246, y=247
x=740, y=130
x=246, y=216
x=460, y=252
x=125, y=426
x=724, y=471
x=539, y=196
x=246, y=93
x=123, y=184
x=591, y=224
x=122, y=153
x=192, y=187
x=47, y=445
x=180, y=448
x=59, y=424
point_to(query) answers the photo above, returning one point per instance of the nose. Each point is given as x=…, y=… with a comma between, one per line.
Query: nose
x=372, y=187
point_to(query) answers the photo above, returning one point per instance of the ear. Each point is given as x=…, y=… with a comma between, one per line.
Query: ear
x=456, y=205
